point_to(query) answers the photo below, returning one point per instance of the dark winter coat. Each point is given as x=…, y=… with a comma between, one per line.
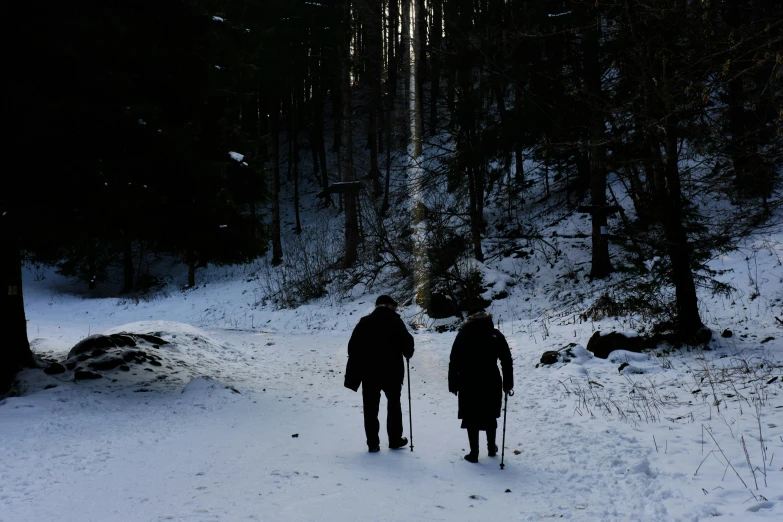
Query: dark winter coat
x=376, y=349
x=473, y=368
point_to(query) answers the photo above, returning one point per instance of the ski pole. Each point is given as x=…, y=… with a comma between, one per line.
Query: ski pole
x=503, y=447
x=410, y=414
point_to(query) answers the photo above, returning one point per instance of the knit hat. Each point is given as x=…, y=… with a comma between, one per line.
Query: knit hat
x=385, y=300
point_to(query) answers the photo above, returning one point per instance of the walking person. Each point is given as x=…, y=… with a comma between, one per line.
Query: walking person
x=375, y=361
x=475, y=379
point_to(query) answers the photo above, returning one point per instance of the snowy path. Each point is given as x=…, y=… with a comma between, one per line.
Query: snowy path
x=72, y=453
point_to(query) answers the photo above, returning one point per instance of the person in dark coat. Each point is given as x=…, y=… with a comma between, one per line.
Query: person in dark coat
x=475, y=379
x=375, y=361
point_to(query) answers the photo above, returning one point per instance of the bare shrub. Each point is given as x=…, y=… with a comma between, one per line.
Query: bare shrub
x=309, y=268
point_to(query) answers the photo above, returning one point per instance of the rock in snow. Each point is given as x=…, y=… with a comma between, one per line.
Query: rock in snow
x=83, y=375
x=54, y=368
x=603, y=344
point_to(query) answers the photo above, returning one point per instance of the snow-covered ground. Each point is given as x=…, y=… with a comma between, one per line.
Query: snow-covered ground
x=272, y=434
x=243, y=415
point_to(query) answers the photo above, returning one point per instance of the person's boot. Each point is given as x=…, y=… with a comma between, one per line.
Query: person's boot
x=374, y=449
x=492, y=448
x=473, y=437
x=472, y=457
x=399, y=444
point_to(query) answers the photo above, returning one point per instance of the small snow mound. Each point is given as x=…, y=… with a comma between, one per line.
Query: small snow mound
x=153, y=327
x=144, y=356
x=581, y=355
x=643, y=467
x=621, y=356
x=200, y=384
x=628, y=369
x=183, y=337
x=203, y=385
x=761, y=505
x=572, y=353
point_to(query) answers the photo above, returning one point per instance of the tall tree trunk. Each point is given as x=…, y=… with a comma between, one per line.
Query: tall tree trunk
x=475, y=218
x=374, y=39
x=127, y=263
x=405, y=66
x=435, y=49
x=337, y=114
x=659, y=170
x=420, y=48
x=393, y=45
x=519, y=171
x=314, y=150
x=15, y=352
x=601, y=264
x=389, y=124
x=92, y=264
x=191, y=261
x=288, y=111
x=318, y=126
x=417, y=72
x=351, y=221
x=274, y=173
x=688, y=318
x=295, y=161
x=481, y=183
x=546, y=172
x=457, y=46
x=191, y=274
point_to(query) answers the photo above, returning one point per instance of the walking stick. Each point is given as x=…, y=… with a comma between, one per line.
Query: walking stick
x=410, y=414
x=505, y=411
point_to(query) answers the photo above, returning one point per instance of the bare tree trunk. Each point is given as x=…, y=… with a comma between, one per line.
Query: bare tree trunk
x=337, y=119
x=374, y=39
x=417, y=70
x=688, y=318
x=274, y=168
x=519, y=171
x=294, y=160
x=435, y=48
x=192, y=263
x=601, y=264
x=127, y=263
x=15, y=352
x=318, y=126
x=420, y=49
x=546, y=172
x=405, y=63
x=389, y=123
x=393, y=45
x=659, y=171
x=351, y=221
x=288, y=111
x=314, y=150
x=475, y=218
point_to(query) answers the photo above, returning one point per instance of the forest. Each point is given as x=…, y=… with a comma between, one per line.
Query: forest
x=178, y=129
